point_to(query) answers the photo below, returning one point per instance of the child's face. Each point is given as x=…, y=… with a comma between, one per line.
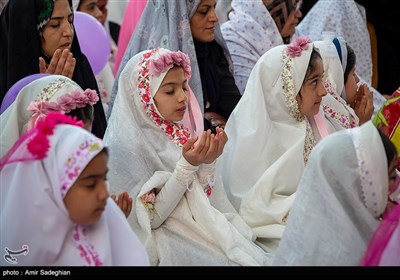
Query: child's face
x=351, y=87
x=171, y=98
x=86, y=199
x=312, y=91
x=58, y=32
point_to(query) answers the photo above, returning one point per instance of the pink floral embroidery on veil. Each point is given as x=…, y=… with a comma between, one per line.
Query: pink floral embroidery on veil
x=176, y=132
x=87, y=252
x=300, y=44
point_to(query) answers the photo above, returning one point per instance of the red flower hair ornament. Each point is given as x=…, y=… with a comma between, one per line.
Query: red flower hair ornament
x=39, y=145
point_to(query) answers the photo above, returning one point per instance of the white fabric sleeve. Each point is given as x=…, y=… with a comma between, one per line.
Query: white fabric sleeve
x=173, y=190
x=206, y=174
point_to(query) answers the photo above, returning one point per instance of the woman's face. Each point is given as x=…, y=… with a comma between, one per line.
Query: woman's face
x=58, y=32
x=91, y=7
x=202, y=23
x=293, y=19
x=312, y=90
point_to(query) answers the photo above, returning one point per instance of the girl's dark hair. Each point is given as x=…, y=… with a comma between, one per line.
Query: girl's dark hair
x=84, y=114
x=390, y=148
x=314, y=56
x=351, y=62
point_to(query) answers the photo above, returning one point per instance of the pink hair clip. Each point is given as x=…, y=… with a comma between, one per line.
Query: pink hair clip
x=300, y=44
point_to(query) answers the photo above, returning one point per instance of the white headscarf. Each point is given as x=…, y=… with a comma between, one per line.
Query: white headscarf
x=14, y=120
x=145, y=151
x=32, y=192
x=265, y=156
x=340, y=197
x=336, y=110
x=75, y=4
x=346, y=19
x=249, y=33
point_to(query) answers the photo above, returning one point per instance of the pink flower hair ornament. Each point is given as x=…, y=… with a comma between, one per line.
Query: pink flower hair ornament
x=300, y=44
x=37, y=139
x=39, y=145
x=168, y=60
x=64, y=104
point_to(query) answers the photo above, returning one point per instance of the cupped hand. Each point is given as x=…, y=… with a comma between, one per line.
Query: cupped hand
x=202, y=150
x=62, y=63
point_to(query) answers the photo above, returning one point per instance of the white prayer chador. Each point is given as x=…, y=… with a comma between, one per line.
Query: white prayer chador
x=335, y=66
x=14, y=120
x=146, y=156
x=336, y=111
x=340, y=197
x=249, y=33
x=33, y=213
x=346, y=19
x=269, y=143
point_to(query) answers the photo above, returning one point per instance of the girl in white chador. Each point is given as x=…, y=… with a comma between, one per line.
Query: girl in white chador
x=346, y=19
x=181, y=211
x=342, y=194
x=55, y=206
x=340, y=82
x=271, y=133
x=53, y=93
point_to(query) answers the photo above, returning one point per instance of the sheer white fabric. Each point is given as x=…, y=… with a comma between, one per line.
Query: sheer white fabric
x=249, y=33
x=346, y=19
x=336, y=210
x=336, y=110
x=265, y=156
x=199, y=231
x=31, y=194
x=14, y=119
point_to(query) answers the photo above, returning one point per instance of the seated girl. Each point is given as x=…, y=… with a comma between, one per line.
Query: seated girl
x=53, y=183
x=181, y=211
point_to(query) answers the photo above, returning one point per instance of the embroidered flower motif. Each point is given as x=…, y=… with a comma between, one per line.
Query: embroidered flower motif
x=344, y=120
x=74, y=163
x=87, y=252
x=176, y=132
x=148, y=200
x=289, y=91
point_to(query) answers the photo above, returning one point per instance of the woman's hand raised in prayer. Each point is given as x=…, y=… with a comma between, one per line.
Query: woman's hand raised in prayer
x=62, y=63
x=206, y=149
